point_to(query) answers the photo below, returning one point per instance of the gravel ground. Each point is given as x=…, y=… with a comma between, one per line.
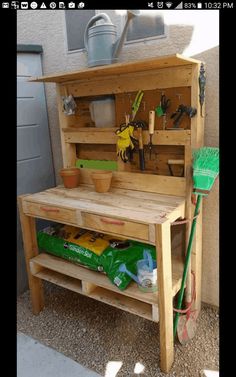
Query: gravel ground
x=93, y=333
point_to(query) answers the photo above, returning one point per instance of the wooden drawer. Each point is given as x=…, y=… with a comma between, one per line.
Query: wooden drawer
x=116, y=226
x=51, y=212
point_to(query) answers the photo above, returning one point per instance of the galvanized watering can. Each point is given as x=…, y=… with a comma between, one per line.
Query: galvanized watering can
x=101, y=42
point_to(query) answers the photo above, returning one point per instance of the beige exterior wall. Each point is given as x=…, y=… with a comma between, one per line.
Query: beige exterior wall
x=191, y=33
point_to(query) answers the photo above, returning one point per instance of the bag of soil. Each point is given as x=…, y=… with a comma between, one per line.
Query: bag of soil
x=74, y=244
x=119, y=252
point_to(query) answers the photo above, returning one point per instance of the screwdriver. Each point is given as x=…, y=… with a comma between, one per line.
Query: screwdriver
x=151, y=130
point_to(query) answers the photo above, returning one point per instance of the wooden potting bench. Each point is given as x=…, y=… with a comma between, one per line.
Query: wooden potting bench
x=139, y=205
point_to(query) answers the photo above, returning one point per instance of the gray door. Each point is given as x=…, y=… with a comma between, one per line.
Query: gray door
x=34, y=156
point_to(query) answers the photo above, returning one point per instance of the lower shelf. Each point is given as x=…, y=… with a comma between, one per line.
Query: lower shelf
x=97, y=286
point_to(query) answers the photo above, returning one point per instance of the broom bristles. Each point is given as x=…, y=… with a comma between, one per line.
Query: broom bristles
x=205, y=167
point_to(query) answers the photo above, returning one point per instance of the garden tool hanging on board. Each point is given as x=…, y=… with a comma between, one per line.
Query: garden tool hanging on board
x=69, y=105
x=151, y=126
x=139, y=125
x=178, y=115
x=137, y=103
x=162, y=108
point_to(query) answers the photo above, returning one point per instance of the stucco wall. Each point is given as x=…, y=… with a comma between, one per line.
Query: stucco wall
x=190, y=33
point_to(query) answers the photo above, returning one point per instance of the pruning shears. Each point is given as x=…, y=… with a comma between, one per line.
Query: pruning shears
x=136, y=103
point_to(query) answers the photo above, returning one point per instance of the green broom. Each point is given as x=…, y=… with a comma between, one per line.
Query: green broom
x=205, y=171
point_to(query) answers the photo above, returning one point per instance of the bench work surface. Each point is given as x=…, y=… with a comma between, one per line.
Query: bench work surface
x=137, y=206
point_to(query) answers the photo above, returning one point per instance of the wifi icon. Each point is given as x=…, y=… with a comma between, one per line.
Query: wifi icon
x=168, y=4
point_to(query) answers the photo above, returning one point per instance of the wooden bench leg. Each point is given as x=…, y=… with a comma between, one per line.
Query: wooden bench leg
x=164, y=272
x=31, y=250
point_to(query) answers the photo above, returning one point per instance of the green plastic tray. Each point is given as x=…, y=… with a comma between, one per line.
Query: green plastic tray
x=96, y=164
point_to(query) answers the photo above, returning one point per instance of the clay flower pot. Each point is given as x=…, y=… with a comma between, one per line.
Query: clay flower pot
x=102, y=180
x=70, y=177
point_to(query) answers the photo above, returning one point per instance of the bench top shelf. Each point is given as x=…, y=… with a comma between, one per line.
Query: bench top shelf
x=142, y=207
x=118, y=69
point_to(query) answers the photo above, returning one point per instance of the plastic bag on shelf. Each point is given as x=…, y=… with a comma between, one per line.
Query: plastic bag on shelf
x=127, y=252
x=74, y=244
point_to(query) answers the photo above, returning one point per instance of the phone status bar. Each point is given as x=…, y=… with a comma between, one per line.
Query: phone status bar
x=143, y=5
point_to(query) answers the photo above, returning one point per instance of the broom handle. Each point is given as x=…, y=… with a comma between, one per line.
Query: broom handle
x=186, y=265
x=188, y=290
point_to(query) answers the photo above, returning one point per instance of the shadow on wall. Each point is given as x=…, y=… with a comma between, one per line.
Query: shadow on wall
x=179, y=37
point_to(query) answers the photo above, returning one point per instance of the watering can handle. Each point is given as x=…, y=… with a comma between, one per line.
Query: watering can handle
x=100, y=16
x=147, y=256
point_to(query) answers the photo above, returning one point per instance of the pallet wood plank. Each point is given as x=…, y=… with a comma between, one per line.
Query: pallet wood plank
x=164, y=273
x=141, y=182
x=68, y=149
x=130, y=82
x=31, y=250
x=155, y=313
x=87, y=287
x=92, y=135
x=92, y=151
x=120, y=301
x=119, y=68
x=99, y=279
x=116, y=202
x=59, y=279
x=114, y=299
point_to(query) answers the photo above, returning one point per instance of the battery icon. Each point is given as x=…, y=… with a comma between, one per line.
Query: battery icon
x=199, y=5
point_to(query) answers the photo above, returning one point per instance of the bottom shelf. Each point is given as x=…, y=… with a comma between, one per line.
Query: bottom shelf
x=101, y=294
x=97, y=286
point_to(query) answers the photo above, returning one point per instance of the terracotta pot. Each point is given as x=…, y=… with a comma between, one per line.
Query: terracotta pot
x=70, y=177
x=102, y=180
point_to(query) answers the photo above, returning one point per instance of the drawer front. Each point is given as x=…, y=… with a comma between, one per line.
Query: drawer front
x=116, y=226
x=50, y=212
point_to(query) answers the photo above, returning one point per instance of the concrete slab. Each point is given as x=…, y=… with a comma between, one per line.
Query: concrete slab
x=35, y=359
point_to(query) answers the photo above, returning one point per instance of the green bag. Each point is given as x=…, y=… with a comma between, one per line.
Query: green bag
x=128, y=252
x=51, y=241
x=97, y=251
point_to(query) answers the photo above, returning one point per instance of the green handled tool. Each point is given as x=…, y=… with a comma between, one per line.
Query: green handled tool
x=162, y=108
x=137, y=103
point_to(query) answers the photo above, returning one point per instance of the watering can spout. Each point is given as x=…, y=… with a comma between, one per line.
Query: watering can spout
x=119, y=43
